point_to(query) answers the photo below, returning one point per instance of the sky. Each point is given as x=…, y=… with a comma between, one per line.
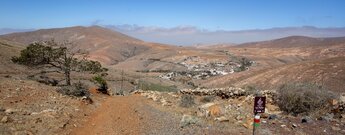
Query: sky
x=204, y=14
x=195, y=15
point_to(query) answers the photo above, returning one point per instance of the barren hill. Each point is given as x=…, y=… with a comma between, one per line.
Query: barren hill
x=295, y=41
x=106, y=46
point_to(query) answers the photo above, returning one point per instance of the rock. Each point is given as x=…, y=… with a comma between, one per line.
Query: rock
x=5, y=119
x=272, y=117
x=207, y=105
x=23, y=133
x=343, y=131
x=188, y=120
x=336, y=128
x=10, y=111
x=222, y=119
x=333, y=102
x=248, y=124
x=215, y=110
x=2, y=109
x=328, y=117
x=166, y=103
x=306, y=119
x=342, y=120
x=87, y=100
x=264, y=115
x=294, y=125
x=203, y=110
x=342, y=98
x=282, y=126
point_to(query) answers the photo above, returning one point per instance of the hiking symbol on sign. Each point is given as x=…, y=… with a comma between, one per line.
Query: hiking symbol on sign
x=259, y=104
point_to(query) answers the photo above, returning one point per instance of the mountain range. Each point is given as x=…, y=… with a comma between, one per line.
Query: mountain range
x=189, y=35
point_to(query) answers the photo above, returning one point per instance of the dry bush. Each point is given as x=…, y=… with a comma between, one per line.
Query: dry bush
x=187, y=101
x=77, y=89
x=303, y=98
x=207, y=99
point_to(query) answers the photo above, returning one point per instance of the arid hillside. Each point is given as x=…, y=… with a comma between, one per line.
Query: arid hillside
x=328, y=72
x=286, y=60
x=106, y=46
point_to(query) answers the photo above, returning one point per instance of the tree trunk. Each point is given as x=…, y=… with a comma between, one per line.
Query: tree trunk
x=68, y=77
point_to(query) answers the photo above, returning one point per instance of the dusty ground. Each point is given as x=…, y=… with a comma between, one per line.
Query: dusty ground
x=136, y=115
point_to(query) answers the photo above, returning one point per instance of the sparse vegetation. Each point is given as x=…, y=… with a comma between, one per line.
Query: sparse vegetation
x=77, y=89
x=156, y=87
x=244, y=64
x=53, y=57
x=44, y=79
x=250, y=89
x=187, y=101
x=102, y=83
x=207, y=99
x=303, y=98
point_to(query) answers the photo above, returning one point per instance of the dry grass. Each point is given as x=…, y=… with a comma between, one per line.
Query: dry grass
x=303, y=98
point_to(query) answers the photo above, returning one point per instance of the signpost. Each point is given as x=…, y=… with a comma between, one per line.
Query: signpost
x=259, y=107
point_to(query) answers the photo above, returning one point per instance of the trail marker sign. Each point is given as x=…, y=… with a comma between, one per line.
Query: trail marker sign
x=259, y=104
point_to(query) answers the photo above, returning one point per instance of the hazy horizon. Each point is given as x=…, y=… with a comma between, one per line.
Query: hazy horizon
x=181, y=22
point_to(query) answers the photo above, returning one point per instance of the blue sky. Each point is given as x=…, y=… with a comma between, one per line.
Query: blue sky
x=204, y=14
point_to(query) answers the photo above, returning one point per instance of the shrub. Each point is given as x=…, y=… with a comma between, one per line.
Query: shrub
x=102, y=84
x=207, y=99
x=156, y=87
x=250, y=89
x=187, y=101
x=303, y=98
x=44, y=79
x=77, y=89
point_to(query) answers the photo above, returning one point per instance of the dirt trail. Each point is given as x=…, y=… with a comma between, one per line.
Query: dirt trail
x=116, y=115
x=135, y=115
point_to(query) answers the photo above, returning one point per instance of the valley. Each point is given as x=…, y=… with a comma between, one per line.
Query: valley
x=148, y=83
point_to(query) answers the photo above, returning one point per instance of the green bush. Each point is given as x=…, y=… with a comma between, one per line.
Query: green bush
x=303, y=98
x=102, y=84
x=187, y=101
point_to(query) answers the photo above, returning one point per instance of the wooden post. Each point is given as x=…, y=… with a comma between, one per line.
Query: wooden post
x=256, y=123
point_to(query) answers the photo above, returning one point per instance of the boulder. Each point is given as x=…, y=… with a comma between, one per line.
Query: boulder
x=215, y=110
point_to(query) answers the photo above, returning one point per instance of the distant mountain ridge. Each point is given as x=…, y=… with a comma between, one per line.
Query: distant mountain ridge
x=296, y=41
x=4, y=31
x=189, y=35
